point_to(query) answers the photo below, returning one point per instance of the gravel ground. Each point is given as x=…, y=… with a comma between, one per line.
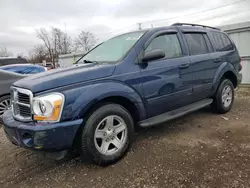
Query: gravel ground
x=202, y=149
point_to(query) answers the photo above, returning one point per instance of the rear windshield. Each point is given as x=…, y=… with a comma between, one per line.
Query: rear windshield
x=23, y=69
x=114, y=49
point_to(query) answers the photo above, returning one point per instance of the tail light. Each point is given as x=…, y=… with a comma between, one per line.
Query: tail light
x=240, y=67
x=241, y=64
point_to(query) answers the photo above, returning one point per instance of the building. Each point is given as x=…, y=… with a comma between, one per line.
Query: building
x=12, y=60
x=240, y=34
x=68, y=60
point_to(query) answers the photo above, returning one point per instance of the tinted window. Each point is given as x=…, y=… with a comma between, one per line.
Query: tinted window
x=169, y=43
x=222, y=42
x=196, y=43
x=209, y=45
x=49, y=65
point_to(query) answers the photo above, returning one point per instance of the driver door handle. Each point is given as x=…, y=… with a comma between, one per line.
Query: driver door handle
x=184, y=66
x=217, y=60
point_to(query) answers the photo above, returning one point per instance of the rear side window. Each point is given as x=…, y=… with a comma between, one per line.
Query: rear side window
x=196, y=43
x=221, y=42
x=169, y=43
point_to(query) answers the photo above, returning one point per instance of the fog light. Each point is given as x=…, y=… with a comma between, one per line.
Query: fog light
x=39, y=139
x=27, y=139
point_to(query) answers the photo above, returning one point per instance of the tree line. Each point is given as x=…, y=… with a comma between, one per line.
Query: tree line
x=4, y=52
x=56, y=42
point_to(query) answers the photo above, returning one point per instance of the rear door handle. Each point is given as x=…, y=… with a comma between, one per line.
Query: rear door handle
x=218, y=60
x=184, y=66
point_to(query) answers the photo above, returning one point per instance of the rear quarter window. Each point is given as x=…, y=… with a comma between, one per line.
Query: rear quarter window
x=221, y=41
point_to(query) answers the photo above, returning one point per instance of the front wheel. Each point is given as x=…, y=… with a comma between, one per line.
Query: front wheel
x=107, y=135
x=224, y=97
x=4, y=105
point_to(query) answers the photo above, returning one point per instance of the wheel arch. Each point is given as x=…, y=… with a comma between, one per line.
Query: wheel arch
x=231, y=76
x=226, y=70
x=131, y=107
x=3, y=95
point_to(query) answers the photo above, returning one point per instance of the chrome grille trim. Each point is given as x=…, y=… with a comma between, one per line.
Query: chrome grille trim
x=21, y=107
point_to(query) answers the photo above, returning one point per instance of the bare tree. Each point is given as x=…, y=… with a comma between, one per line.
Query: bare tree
x=55, y=41
x=38, y=54
x=44, y=35
x=61, y=42
x=85, y=41
x=4, y=52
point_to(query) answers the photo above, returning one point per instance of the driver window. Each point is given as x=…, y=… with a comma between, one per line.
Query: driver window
x=169, y=43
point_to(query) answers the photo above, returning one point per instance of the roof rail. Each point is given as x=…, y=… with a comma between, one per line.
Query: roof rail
x=189, y=24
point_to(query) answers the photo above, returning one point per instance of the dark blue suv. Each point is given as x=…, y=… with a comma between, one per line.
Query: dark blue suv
x=141, y=78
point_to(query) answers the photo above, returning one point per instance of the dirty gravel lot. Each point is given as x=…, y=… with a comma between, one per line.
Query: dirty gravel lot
x=202, y=149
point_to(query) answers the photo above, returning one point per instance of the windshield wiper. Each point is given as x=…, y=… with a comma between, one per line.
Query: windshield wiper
x=88, y=61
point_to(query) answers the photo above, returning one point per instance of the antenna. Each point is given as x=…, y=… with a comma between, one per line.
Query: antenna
x=139, y=26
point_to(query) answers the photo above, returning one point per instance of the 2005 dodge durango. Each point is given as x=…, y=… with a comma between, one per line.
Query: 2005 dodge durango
x=141, y=78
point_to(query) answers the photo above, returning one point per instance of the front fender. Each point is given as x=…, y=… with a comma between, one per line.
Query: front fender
x=79, y=100
x=224, y=67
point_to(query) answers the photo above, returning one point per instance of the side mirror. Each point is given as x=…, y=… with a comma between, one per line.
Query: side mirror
x=153, y=55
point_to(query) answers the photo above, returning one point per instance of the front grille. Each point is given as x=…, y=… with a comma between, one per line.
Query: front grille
x=24, y=111
x=21, y=103
x=24, y=98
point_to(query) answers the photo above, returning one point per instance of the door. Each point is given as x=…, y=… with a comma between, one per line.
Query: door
x=202, y=64
x=166, y=82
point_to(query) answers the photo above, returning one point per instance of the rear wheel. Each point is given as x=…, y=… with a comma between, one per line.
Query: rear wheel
x=4, y=105
x=224, y=97
x=107, y=135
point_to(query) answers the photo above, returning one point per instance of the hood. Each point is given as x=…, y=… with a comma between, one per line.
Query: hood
x=65, y=76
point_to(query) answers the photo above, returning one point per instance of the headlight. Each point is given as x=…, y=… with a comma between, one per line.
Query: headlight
x=48, y=107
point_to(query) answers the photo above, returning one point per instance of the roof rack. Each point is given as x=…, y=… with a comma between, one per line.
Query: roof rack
x=188, y=24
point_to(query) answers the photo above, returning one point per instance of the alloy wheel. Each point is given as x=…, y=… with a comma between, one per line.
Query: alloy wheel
x=110, y=135
x=227, y=96
x=4, y=105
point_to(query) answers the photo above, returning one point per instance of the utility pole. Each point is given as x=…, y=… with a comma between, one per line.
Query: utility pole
x=139, y=26
x=65, y=38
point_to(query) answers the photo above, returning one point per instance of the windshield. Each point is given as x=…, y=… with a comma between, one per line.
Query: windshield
x=114, y=49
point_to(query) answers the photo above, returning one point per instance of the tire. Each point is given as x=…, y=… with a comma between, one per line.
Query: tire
x=223, y=106
x=3, y=105
x=97, y=125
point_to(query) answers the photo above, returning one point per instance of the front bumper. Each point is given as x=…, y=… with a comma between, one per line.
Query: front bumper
x=41, y=136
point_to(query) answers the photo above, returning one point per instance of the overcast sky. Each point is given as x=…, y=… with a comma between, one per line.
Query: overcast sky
x=20, y=18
